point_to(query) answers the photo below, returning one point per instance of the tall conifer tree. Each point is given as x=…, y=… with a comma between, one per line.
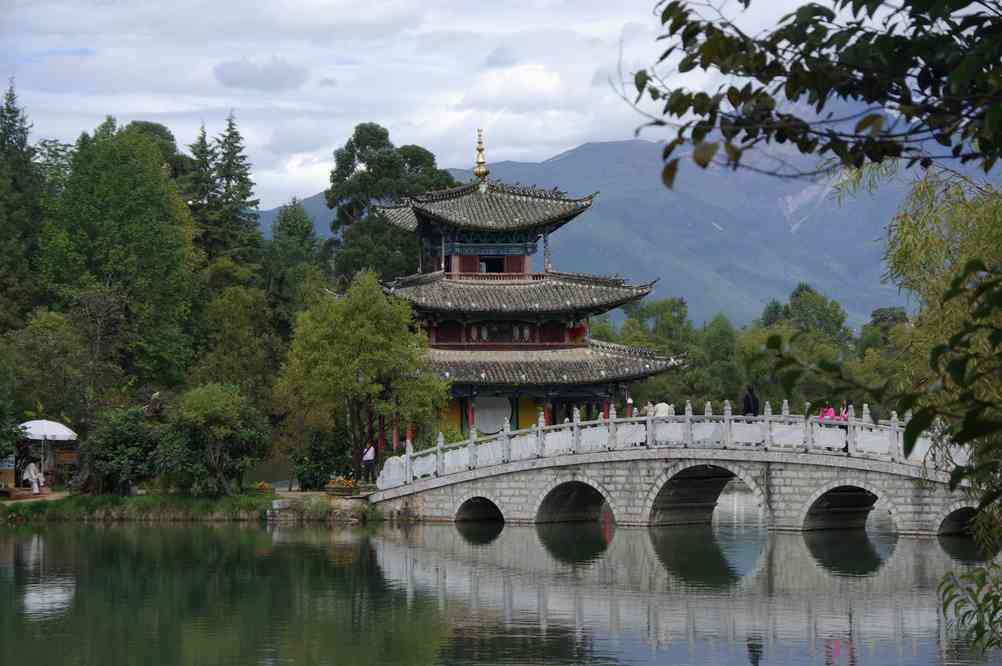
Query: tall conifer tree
x=201, y=190
x=20, y=211
x=236, y=232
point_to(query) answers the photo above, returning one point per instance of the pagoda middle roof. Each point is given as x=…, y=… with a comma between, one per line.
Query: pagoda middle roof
x=533, y=293
x=494, y=207
x=595, y=363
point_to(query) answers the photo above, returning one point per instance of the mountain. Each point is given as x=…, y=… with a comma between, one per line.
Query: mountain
x=726, y=241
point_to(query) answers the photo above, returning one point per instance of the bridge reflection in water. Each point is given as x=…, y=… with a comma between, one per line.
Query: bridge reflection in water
x=734, y=585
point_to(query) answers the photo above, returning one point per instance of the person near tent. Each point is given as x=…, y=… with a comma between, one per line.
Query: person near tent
x=34, y=476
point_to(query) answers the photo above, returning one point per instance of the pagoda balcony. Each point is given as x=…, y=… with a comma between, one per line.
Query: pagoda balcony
x=497, y=277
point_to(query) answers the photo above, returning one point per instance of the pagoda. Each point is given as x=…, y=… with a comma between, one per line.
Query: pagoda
x=513, y=341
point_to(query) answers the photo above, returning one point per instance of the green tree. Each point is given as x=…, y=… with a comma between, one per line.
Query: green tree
x=809, y=310
x=919, y=76
x=119, y=452
x=292, y=255
x=120, y=223
x=240, y=347
x=356, y=357
x=214, y=435
x=20, y=212
x=234, y=233
x=772, y=314
x=49, y=362
x=176, y=162
x=369, y=170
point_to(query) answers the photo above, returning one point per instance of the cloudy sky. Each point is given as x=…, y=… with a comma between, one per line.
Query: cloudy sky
x=300, y=74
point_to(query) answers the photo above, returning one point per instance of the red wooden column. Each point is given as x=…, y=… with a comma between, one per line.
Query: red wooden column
x=605, y=409
x=547, y=413
x=469, y=414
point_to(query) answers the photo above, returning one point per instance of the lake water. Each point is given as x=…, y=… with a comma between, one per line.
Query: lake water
x=728, y=594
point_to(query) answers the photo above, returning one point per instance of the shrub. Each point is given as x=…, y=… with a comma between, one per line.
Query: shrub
x=214, y=435
x=118, y=452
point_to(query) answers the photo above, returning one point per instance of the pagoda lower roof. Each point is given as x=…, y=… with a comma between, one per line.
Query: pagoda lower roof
x=494, y=207
x=594, y=363
x=501, y=295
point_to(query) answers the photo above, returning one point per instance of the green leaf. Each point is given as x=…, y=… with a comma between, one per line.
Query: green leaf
x=669, y=172
x=704, y=152
x=873, y=122
x=640, y=80
x=920, y=423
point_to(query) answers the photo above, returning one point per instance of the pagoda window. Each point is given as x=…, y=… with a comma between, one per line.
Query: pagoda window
x=552, y=331
x=448, y=331
x=492, y=264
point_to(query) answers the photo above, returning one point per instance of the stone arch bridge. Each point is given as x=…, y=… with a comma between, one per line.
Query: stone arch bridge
x=806, y=474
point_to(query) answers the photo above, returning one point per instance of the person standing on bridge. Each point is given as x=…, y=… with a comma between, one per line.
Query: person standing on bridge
x=369, y=464
x=750, y=402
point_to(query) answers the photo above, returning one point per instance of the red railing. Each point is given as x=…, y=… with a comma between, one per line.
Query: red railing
x=497, y=277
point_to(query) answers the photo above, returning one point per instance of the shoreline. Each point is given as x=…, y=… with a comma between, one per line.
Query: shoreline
x=245, y=508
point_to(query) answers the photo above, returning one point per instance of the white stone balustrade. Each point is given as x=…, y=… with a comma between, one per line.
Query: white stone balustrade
x=856, y=437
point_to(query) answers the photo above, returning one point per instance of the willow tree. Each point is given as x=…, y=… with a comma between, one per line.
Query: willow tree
x=357, y=360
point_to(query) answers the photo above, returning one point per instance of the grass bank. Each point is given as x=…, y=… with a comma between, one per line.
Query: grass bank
x=174, y=508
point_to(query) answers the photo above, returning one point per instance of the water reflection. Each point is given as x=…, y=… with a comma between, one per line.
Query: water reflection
x=575, y=543
x=696, y=554
x=479, y=533
x=727, y=594
x=850, y=552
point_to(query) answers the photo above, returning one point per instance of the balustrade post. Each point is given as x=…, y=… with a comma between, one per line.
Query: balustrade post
x=649, y=424
x=671, y=409
x=506, y=442
x=611, y=443
x=808, y=430
x=767, y=424
x=472, y=448
x=786, y=407
x=893, y=445
x=575, y=430
x=408, y=462
x=687, y=441
x=440, y=455
x=852, y=431
x=866, y=412
x=540, y=436
x=727, y=438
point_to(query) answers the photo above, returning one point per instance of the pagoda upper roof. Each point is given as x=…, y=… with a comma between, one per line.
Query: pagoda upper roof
x=595, y=363
x=500, y=294
x=487, y=206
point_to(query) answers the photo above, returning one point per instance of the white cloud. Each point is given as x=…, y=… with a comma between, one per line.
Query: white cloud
x=272, y=75
x=300, y=74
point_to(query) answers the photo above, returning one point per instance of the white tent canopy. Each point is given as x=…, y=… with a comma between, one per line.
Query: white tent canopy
x=47, y=430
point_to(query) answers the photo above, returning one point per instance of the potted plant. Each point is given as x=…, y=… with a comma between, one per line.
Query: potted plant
x=341, y=486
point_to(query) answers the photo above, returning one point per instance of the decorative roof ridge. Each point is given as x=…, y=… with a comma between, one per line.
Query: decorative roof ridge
x=554, y=194
x=443, y=195
x=415, y=279
x=638, y=352
x=605, y=280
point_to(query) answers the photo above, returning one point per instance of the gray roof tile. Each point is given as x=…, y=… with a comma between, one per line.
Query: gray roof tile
x=541, y=293
x=596, y=363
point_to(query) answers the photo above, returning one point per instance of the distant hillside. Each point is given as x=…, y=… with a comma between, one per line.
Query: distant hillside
x=727, y=242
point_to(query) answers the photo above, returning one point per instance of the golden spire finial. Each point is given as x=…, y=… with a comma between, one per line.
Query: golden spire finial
x=480, y=170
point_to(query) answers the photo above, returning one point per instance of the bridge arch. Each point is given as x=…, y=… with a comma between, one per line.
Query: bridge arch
x=666, y=478
x=574, y=496
x=882, y=500
x=955, y=518
x=480, y=507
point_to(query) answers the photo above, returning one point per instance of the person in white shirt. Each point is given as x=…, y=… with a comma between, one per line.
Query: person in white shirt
x=369, y=464
x=34, y=476
x=661, y=409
